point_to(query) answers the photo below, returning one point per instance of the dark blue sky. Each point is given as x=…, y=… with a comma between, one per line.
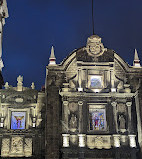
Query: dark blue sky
x=34, y=26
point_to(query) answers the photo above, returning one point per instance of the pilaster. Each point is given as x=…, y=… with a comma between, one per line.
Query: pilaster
x=129, y=104
x=114, y=104
x=80, y=104
x=65, y=125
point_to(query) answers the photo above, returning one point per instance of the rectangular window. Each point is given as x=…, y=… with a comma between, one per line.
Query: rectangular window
x=95, y=81
x=97, y=119
x=18, y=120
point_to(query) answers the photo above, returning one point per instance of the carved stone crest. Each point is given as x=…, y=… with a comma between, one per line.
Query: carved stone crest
x=94, y=46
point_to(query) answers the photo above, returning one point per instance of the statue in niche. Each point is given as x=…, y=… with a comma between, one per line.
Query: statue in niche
x=122, y=122
x=73, y=123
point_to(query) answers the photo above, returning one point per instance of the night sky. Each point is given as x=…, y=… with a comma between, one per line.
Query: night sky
x=34, y=26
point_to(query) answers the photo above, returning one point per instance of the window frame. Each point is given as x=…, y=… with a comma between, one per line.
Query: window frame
x=97, y=107
x=97, y=75
x=24, y=121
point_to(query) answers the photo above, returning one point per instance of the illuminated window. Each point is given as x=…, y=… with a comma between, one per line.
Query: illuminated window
x=95, y=81
x=97, y=119
x=18, y=120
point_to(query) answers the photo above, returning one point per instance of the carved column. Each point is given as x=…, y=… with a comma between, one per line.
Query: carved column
x=82, y=140
x=65, y=126
x=79, y=80
x=80, y=103
x=129, y=104
x=116, y=139
x=114, y=104
x=132, y=141
x=65, y=140
x=113, y=89
x=34, y=117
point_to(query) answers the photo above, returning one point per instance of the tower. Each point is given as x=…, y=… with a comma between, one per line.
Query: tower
x=3, y=15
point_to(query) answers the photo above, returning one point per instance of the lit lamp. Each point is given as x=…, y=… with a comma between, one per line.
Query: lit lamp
x=80, y=89
x=66, y=140
x=132, y=141
x=81, y=140
x=113, y=89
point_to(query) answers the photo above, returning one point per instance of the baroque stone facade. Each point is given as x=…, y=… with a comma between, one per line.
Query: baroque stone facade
x=93, y=105
x=21, y=121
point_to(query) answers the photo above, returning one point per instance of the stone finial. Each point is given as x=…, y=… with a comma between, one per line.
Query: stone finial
x=52, y=59
x=19, y=83
x=136, y=62
x=6, y=85
x=33, y=85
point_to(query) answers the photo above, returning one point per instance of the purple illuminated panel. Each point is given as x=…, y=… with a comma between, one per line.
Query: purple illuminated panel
x=18, y=120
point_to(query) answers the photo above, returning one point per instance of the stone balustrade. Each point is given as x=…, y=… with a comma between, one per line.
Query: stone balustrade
x=99, y=141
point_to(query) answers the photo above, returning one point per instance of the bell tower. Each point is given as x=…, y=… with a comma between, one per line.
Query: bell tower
x=3, y=15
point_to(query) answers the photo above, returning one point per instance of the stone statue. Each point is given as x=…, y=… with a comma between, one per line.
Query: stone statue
x=20, y=80
x=73, y=123
x=19, y=83
x=121, y=122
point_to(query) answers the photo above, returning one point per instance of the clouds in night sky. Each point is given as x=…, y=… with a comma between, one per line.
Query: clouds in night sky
x=34, y=26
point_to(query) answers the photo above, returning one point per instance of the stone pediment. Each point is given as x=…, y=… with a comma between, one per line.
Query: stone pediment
x=18, y=99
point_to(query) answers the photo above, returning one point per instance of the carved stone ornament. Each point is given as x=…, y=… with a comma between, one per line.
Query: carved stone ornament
x=17, y=146
x=94, y=46
x=28, y=147
x=5, y=147
x=73, y=107
x=121, y=108
x=98, y=141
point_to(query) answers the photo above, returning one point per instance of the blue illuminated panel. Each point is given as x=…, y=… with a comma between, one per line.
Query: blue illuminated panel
x=96, y=81
x=18, y=120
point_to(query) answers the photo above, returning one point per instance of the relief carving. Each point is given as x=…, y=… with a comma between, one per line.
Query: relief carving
x=73, y=107
x=28, y=147
x=5, y=147
x=121, y=108
x=17, y=145
x=94, y=46
x=98, y=141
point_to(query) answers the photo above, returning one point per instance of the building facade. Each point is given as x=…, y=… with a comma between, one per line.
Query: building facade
x=93, y=105
x=21, y=121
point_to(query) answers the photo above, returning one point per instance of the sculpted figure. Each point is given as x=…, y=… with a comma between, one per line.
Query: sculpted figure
x=73, y=122
x=122, y=122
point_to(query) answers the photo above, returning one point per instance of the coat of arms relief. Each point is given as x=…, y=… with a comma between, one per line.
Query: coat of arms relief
x=94, y=46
